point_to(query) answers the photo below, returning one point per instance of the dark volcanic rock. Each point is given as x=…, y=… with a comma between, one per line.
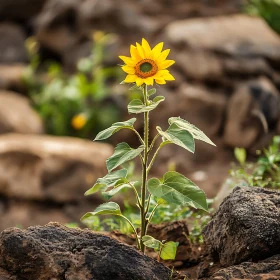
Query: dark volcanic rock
x=245, y=227
x=56, y=252
x=268, y=269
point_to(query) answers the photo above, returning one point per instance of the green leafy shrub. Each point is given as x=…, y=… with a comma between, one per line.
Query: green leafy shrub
x=265, y=172
x=80, y=104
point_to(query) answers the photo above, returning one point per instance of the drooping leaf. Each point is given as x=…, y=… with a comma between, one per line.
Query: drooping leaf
x=115, y=128
x=151, y=242
x=152, y=91
x=196, y=133
x=107, y=181
x=109, y=208
x=178, y=189
x=178, y=136
x=119, y=186
x=169, y=250
x=136, y=106
x=240, y=155
x=122, y=154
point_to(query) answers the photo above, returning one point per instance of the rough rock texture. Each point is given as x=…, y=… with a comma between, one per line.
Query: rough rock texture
x=56, y=252
x=47, y=172
x=17, y=115
x=231, y=54
x=245, y=227
x=268, y=269
x=12, y=44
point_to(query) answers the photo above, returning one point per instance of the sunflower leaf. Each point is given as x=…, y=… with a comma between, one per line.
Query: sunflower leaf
x=123, y=153
x=178, y=189
x=151, y=242
x=136, y=106
x=178, y=136
x=115, y=127
x=121, y=184
x=152, y=91
x=107, y=181
x=169, y=250
x=109, y=208
x=185, y=125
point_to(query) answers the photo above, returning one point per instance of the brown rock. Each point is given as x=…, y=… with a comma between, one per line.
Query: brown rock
x=16, y=114
x=11, y=77
x=252, y=110
x=52, y=168
x=56, y=252
x=233, y=35
x=12, y=45
x=245, y=227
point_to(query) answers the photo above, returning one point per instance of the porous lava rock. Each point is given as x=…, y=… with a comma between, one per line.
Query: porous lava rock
x=246, y=227
x=57, y=252
x=268, y=269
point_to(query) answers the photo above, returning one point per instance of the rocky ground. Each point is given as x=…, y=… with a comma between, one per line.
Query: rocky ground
x=227, y=83
x=241, y=242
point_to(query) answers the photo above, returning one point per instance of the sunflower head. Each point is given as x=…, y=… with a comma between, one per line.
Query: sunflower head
x=146, y=65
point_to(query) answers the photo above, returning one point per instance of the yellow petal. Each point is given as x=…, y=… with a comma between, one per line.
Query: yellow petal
x=140, y=50
x=165, y=64
x=157, y=50
x=130, y=79
x=160, y=73
x=134, y=53
x=127, y=60
x=147, y=49
x=128, y=69
x=163, y=55
x=149, y=81
x=139, y=82
x=160, y=81
x=168, y=77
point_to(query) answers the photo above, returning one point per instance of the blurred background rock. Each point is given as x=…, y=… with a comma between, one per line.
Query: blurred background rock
x=59, y=75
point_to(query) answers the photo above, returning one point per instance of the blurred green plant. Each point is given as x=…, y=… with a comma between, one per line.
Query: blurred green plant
x=265, y=172
x=80, y=104
x=269, y=10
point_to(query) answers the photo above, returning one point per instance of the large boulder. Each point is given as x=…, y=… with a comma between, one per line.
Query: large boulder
x=17, y=115
x=57, y=252
x=245, y=227
x=44, y=178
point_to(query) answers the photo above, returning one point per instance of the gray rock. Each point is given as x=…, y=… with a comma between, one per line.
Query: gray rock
x=56, y=252
x=245, y=227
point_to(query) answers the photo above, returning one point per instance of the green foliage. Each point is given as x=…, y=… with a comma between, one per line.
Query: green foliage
x=122, y=154
x=167, y=251
x=79, y=104
x=267, y=9
x=178, y=189
x=136, y=106
x=173, y=189
x=264, y=173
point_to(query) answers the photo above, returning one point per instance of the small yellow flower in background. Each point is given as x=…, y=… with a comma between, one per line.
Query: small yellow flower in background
x=146, y=65
x=79, y=121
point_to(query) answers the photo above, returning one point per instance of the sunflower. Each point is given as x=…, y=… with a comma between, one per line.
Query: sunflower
x=147, y=65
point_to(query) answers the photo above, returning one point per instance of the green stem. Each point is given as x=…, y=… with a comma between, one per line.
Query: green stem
x=139, y=136
x=154, y=157
x=144, y=172
x=136, y=193
x=136, y=235
x=153, y=142
x=152, y=214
